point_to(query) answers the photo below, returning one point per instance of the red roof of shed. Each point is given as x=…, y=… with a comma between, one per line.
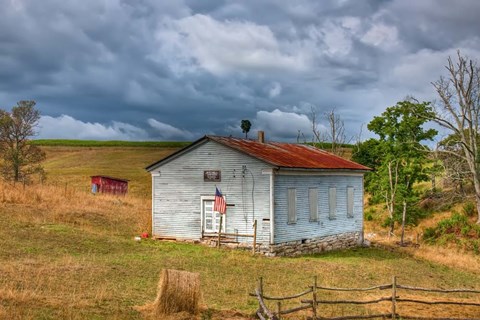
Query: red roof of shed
x=111, y=178
x=280, y=154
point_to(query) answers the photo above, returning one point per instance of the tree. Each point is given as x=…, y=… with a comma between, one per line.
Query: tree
x=398, y=157
x=459, y=112
x=20, y=158
x=455, y=168
x=246, y=125
x=369, y=153
x=335, y=133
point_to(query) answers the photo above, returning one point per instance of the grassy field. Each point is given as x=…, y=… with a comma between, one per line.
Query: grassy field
x=110, y=143
x=67, y=254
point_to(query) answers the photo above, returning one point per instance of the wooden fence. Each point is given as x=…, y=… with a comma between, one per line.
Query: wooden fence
x=313, y=304
x=218, y=235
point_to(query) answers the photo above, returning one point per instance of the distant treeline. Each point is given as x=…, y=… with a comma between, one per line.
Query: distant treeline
x=145, y=144
x=328, y=145
x=111, y=143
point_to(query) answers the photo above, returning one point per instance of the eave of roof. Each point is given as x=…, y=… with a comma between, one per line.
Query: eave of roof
x=176, y=154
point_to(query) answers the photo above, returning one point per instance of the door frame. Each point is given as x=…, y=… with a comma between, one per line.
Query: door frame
x=202, y=214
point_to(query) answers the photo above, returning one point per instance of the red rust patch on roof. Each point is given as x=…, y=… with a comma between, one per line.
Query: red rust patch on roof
x=289, y=155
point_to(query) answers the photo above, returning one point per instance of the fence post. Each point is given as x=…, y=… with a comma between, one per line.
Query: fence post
x=260, y=291
x=220, y=230
x=394, y=297
x=279, y=309
x=314, y=303
x=260, y=286
x=254, y=236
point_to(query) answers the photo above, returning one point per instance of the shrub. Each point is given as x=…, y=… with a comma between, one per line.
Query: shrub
x=455, y=230
x=469, y=209
x=369, y=214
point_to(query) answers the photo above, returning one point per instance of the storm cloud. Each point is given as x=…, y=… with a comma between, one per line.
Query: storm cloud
x=176, y=70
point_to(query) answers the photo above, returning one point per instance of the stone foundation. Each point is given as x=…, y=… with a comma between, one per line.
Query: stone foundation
x=316, y=245
x=299, y=247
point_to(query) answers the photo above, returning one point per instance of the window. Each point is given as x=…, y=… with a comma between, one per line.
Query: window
x=332, y=202
x=292, y=205
x=313, y=201
x=350, y=193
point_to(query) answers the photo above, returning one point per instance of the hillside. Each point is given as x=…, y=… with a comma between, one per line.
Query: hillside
x=69, y=254
x=73, y=166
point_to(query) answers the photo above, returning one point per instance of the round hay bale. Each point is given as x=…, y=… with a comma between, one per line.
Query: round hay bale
x=178, y=291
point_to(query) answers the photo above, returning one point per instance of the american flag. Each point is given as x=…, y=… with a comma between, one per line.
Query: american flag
x=219, y=205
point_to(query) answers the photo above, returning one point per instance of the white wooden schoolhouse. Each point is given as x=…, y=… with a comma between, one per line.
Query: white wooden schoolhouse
x=305, y=200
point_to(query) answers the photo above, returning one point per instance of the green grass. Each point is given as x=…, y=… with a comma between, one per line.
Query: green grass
x=111, y=143
x=71, y=255
x=58, y=270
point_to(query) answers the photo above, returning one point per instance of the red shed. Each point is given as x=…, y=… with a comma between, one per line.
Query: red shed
x=105, y=184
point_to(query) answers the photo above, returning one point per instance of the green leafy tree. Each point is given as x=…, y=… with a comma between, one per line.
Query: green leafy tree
x=246, y=125
x=398, y=157
x=369, y=154
x=20, y=159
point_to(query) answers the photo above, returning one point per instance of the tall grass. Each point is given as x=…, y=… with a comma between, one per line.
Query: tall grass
x=54, y=204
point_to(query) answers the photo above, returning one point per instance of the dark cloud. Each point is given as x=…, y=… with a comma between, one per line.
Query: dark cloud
x=179, y=69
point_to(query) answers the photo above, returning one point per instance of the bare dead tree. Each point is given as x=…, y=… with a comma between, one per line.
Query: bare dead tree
x=317, y=138
x=459, y=112
x=454, y=167
x=336, y=133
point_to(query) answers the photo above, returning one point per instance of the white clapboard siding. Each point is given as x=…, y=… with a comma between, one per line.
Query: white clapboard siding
x=180, y=185
x=304, y=228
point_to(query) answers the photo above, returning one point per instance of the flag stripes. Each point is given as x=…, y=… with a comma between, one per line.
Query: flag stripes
x=219, y=205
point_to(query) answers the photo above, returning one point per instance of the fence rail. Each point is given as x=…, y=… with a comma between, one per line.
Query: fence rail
x=313, y=304
x=218, y=235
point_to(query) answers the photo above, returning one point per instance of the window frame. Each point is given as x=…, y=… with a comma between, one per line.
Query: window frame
x=350, y=201
x=292, y=206
x=313, y=210
x=332, y=203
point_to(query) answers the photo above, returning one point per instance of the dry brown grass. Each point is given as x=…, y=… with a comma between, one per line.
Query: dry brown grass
x=54, y=204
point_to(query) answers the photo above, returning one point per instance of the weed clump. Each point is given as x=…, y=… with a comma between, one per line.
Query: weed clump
x=457, y=230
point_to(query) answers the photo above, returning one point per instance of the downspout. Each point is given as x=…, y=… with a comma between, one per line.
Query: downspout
x=272, y=206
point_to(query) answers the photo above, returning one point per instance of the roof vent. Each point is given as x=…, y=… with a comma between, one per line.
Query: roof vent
x=261, y=136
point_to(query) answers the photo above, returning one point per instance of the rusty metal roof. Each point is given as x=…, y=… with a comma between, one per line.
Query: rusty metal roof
x=289, y=155
x=278, y=154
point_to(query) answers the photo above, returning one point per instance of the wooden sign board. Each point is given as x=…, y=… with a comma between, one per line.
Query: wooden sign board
x=212, y=176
